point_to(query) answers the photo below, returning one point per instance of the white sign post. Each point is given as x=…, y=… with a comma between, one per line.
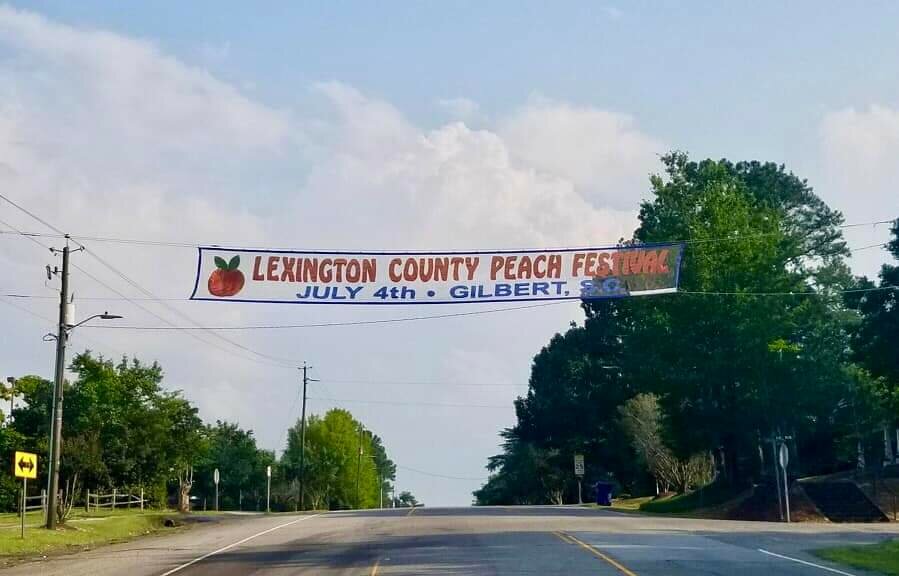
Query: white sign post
x=783, y=458
x=268, y=489
x=215, y=479
x=579, y=472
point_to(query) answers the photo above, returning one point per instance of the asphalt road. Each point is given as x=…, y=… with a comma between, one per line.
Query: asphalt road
x=468, y=541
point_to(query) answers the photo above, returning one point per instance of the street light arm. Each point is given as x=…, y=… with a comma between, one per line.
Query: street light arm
x=103, y=316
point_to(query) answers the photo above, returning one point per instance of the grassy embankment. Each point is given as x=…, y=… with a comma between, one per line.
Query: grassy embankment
x=82, y=530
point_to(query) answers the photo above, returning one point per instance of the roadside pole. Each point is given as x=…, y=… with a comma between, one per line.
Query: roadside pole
x=24, y=508
x=579, y=473
x=58, y=382
x=780, y=505
x=268, y=489
x=301, y=501
x=783, y=457
x=359, y=466
x=215, y=480
x=301, y=504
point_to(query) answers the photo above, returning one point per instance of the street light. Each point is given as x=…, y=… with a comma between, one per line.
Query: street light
x=56, y=430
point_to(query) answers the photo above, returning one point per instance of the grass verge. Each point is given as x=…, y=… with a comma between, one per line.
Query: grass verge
x=710, y=496
x=630, y=503
x=81, y=531
x=883, y=557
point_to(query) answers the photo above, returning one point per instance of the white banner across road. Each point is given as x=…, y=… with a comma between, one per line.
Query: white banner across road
x=243, y=275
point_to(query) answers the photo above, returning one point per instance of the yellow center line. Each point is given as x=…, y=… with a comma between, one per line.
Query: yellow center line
x=374, y=569
x=598, y=554
x=564, y=537
x=411, y=511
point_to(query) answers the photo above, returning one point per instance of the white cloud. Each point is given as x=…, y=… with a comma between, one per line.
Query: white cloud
x=859, y=148
x=863, y=145
x=109, y=136
x=603, y=153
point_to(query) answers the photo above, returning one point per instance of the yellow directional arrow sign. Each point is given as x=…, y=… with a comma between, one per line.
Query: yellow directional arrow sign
x=25, y=465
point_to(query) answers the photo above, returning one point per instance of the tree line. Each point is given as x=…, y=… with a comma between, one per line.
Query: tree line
x=769, y=337
x=122, y=429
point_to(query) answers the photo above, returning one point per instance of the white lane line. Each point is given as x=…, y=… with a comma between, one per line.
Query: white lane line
x=238, y=543
x=812, y=564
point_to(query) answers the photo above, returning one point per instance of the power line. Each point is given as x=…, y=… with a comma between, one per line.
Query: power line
x=458, y=314
x=27, y=311
x=445, y=476
x=850, y=291
x=394, y=403
x=426, y=383
x=181, y=244
x=53, y=322
x=346, y=323
x=869, y=246
x=273, y=361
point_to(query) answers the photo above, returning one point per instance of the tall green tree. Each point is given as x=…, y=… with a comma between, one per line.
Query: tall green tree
x=341, y=462
x=241, y=464
x=750, y=228
x=120, y=428
x=877, y=337
x=753, y=345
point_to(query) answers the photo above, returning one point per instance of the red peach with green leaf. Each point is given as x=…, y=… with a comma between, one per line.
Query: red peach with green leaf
x=226, y=279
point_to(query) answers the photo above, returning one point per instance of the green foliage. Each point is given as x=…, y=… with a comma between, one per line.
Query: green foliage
x=524, y=474
x=241, y=465
x=875, y=340
x=730, y=367
x=406, y=499
x=643, y=420
x=121, y=429
x=343, y=462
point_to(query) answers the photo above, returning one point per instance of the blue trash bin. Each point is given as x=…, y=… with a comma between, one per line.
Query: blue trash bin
x=603, y=491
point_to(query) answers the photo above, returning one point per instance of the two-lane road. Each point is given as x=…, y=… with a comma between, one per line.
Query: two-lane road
x=468, y=541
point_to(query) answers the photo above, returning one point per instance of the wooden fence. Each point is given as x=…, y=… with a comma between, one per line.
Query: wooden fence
x=38, y=502
x=113, y=500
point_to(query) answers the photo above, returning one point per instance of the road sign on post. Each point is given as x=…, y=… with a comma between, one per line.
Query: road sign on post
x=24, y=466
x=579, y=472
x=578, y=464
x=783, y=458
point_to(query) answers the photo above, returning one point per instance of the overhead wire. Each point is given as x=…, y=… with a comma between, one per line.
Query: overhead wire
x=271, y=360
x=425, y=383
x=445, y=476
x=398, y=403
x=181, y=244
x=347, y=323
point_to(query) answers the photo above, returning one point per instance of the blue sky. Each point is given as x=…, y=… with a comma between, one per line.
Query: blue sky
x=683, y=68
x=439, y=125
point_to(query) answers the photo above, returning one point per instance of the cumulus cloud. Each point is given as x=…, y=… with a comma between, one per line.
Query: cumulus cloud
x=863, y=145
x=859, y=148
x=106, y=135
x=603, y=153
